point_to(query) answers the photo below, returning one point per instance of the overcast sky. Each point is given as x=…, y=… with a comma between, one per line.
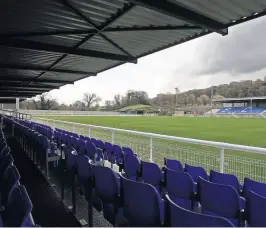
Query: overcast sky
x=206, y=61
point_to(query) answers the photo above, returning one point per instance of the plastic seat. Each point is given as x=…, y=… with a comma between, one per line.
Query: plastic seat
x=177, y=216
x=128, y=151
x=18, y=208
x=117, y=153
x=131, y=167
x=226, y=179
x=142, y=205
x=10, y=181
x=173, y=164
x=220, y=200
x=7, y=161
x=152, y=174
x=108, y=152
x=100, y=144
x=196, y=172
x=91, y=150
x=180, y=188
x=255, y=186
x=107, y=187
x=255, y=210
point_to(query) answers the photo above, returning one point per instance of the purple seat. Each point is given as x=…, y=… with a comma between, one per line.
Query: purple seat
x=255, y=210
x=131, y=167
x=173, y=164
x=220, y=200
x=180, y=188
x=226, y=179
x=255, y=186
x=142, y=205
x=177, y=216
x=152, y=174
x=18, y=209
x=107, y=187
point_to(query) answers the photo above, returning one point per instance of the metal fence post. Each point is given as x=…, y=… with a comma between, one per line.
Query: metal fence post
x=222, y=160
x=73, y=128
x=150, y=149
x=89, y=132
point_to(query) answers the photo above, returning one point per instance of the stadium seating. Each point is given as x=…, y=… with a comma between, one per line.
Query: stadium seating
x=236, y=110
x=15, y=203
x=180, y=217
x=143, y=193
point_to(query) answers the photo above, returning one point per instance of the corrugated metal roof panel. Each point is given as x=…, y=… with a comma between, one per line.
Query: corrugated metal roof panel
x=97, y=11
x=31, y=57
x=140, y=16
x=60, y=76
x=225, y=10
x=73, y=62
x=97, y=43
x=65, y=40
x=22, y=73
x=32, y=15
x=146, y=41
x=58, y=19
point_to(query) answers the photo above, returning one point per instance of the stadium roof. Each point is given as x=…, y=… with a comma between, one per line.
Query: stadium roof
x=46, y=44
x=239, y=99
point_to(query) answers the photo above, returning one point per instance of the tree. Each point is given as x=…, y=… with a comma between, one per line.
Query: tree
x=205, y=99
x=45, y=102
x=90, y=98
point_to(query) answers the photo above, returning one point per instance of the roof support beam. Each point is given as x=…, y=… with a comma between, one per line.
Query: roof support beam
x=36, y=46
x=183, y=13
x=80, y=14
x=27, y=88
x=29, y=79
x=12, y=94
x=94, y=31
x=19, y=84
x=43, y=69
x=3, y=89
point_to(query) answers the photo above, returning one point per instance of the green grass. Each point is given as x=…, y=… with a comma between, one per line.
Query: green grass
x=136, y=107
x=251, y=132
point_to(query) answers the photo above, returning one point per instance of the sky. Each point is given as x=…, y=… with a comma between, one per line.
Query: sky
x=210, y=60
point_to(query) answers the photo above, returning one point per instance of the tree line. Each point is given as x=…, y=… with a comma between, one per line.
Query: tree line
x=196, y=97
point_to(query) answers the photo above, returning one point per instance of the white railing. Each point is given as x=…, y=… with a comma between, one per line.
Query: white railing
x=73, y=113
x=243, y=161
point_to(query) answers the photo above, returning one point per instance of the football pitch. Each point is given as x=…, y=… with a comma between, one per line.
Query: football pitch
x=250, y=132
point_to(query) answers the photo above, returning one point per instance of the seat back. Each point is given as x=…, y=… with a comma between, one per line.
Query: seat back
x=18, y=209
x=70, y=157
x=107, y=184
x=6, y=162
x=127, y=150
x=196, y=172
x=151, y=173
x=218, y=199
x=117, y=152
x=255, y=210
x=180, y=186
x=173, y=164
x=226, y=179
x=91, y=150
x=131, y=166
x=10, y=181
x=84, y=172
x=251, y=185
x=180, y=217
x=142, y=203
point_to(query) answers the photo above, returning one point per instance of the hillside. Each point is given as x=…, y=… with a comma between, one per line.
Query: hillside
x=196, y=97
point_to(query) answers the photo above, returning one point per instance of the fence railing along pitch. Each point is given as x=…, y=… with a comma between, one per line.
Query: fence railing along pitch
x=241, y=160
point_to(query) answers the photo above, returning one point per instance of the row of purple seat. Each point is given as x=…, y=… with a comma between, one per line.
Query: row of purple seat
x=15, y=203
x=184, y=193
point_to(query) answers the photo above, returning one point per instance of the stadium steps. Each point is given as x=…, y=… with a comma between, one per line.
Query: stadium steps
x=48, y=209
